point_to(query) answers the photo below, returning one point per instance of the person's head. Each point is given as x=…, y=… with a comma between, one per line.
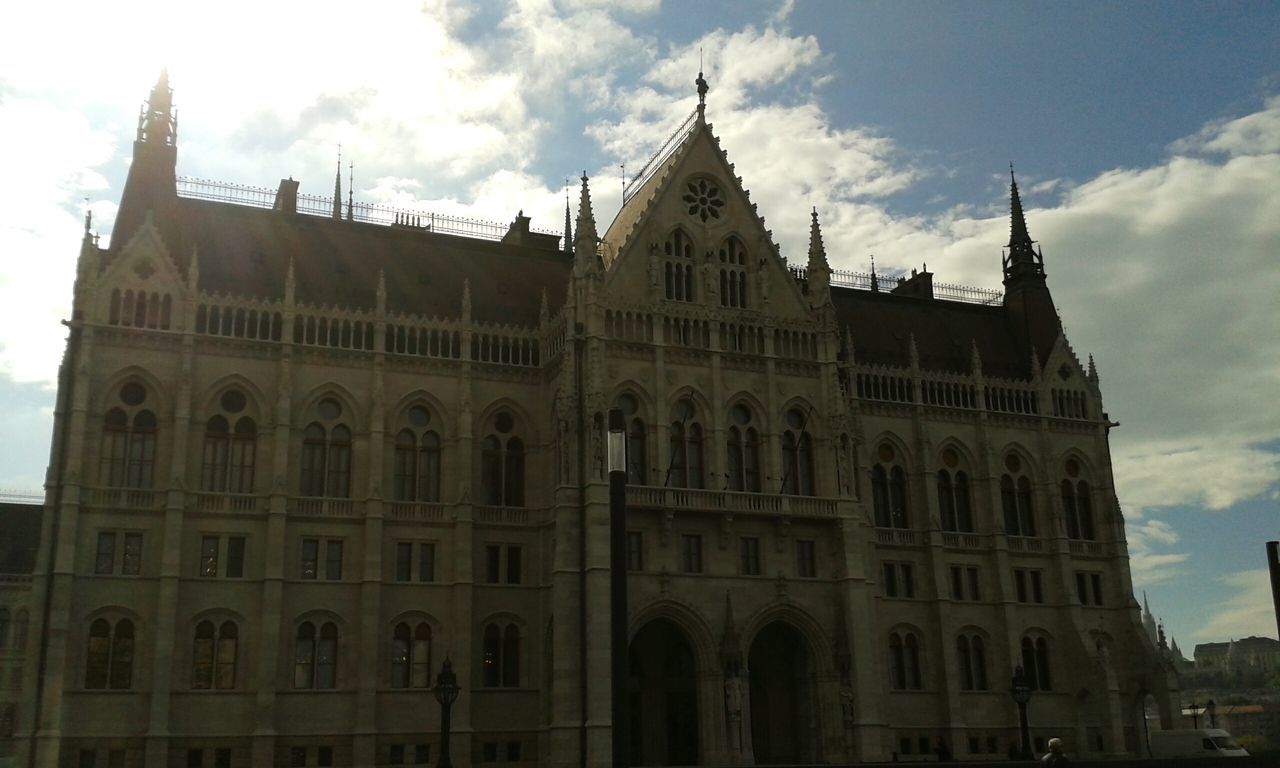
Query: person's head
x=1055, y=745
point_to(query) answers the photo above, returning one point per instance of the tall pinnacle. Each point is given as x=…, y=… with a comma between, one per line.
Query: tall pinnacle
x=157, y=123
x=337, y=187
x=351, y=191
x=1019, y=237
x=817, y=251
x=585, y=239
x=568, y=223
x=819, y=272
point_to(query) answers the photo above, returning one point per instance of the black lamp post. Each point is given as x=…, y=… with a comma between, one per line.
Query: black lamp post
x=1195, y=714
x=1211, y=709
x=446, y=691
x=618, y=583
x=1020, y=690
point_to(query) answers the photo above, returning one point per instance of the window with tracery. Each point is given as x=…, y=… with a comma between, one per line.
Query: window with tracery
x=326, y=453
x=500, y=660
x=229, y=451
x=797, y=454
x=1076, y=503
x=703, y=198
x=904, y=661
x=678, y=267
x=1035, y=663
x=315, y=656
x=888, y=489
x=109, y=655
x=686, y=468
x=213, y=656
x=1015, y=498
x=411, y=655
x=637, y=452
x=416, y=465
x=733, y=274
x=128, y=454
x=502, y=463
x=953, y=494
x=743, y=444
x=971, y=652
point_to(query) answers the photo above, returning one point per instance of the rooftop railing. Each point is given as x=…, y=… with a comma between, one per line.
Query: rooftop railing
x=885, y=283
x=655, y=162
x=315, y=205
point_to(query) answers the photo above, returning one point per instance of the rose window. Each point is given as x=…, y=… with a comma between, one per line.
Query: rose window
x=704, y=200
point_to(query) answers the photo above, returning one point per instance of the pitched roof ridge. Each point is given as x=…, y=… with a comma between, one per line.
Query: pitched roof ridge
x=648, y=192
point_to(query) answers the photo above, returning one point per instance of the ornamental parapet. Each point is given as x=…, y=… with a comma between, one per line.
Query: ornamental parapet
x=701, y=500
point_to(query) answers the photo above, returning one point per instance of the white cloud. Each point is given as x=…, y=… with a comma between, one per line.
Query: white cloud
x=1245, y=608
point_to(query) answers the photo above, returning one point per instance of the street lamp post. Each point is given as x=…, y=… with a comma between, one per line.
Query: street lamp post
x=1211, y=709
x=1020, y=690
x=618, y=584
x=446, y=692
x=1195, y=714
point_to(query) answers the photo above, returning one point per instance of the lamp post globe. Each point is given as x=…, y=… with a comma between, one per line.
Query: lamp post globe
x=446, y=691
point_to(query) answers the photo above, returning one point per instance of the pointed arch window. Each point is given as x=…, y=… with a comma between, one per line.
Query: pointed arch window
x=416, y=466
x=1035, y=663
x=315, y=656
x=128, y=454
x=326, y=453
x=411, y=656
x=502, y=463
x=637, y=449
x=678, y=266
x=213, y=656
x=743, y=451
x=953, y=501
x=229, y=453
x=501, y=657
x=971, y=653
x=888, y=490
x=685, y=469
x=1015, y=499
x=797, y=454
x=904, y=661
x=733, y=274
x=1076, y=503
x=109, y=655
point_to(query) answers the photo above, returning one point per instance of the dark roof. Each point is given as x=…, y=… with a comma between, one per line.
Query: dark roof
x=19, y=536
x=882, y=324
x=245, y=251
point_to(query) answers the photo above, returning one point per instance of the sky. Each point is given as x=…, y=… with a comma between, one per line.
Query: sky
x=1146, y=138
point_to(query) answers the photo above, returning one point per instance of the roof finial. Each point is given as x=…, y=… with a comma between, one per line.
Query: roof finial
x=585, y=240
x=88, y=216
x=337, y=187
x=351, y=189
x=701, y=82
x=568, y=223
x=875, y=281
x=1022, y=257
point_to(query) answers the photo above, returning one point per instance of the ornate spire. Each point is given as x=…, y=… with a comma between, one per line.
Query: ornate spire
x=337, y=187
x=1022, y=258
x=158, y=124
x=819, y=272
x=875, y=281
x=351, y=190
x=568, y=222
x=585, y=239
x=1093, y=371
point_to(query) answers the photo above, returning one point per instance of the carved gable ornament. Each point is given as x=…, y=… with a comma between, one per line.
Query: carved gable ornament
x=703, y=198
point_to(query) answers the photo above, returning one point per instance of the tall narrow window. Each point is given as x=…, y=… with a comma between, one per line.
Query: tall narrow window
x=502, y=463
x=1035, y=663
x=213, y=656
x=225, y=660
x=121, y=668
x=326, y=453
x=491, y=662
x=229, y=453
x=327, y=657
x=1076, y=505
x=889, y=490
x=637, y=456
x=511, y=657
x=420, y=656
x=797, y=454
x=686, y=467
x=733, y=273
x=1015, y=498
x=304, y=656
x=400, y=656
x=953, y=494
x=743, y=450
x=678, y=266
x=127, y=458
x=98, y=654
x=417, y=458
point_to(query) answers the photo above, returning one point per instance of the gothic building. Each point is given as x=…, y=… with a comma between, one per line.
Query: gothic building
x=303, y=452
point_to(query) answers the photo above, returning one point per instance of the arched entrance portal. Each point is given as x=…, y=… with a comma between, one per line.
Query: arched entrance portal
x=783, y=728
x=664, y=697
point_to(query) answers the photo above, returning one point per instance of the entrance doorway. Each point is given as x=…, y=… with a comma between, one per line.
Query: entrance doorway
x=783, y=727
x=664, y=697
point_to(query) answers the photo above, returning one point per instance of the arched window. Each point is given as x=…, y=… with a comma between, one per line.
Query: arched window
x=128, y=452
x=743, y=451
x=502, y=464
x=109, y=656
x=637, y=454
x=411, y=656
x=678, y=268
x=953, y=494
x=491, y=662
x=326, y=453
x=1015, y=499
x=327, y=657
x=304, y=656
x=797, y=455
x=213, y=656
x=315, y=658
x=685, y=469
x=416, y=467
x=1076, y=503
x=511, y=657
x=229, y=454
x=971, y=653
x=500, y=663
x=1035, y=663
x=888, y=489
x=904, y=661
x=733, y=273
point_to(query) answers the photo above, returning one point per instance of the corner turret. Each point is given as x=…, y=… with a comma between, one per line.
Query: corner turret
x=819, y=271
x=152, y=181
x=1032, y=316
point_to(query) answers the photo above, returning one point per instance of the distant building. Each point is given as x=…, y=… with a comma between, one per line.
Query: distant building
x=1250, y=654
x=19, y=536
x=303, y=453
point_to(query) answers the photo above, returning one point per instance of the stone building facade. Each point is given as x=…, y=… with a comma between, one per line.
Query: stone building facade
x=303, y=454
